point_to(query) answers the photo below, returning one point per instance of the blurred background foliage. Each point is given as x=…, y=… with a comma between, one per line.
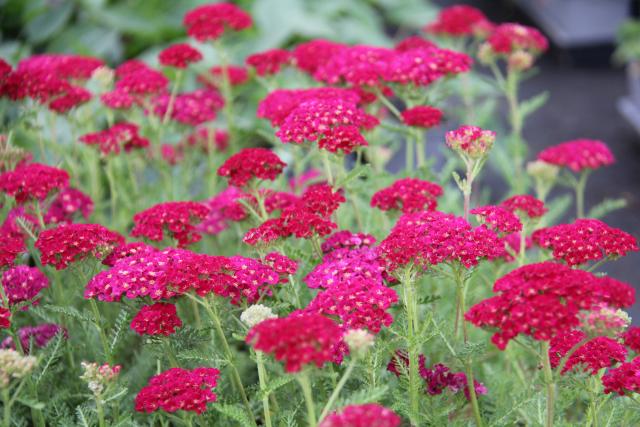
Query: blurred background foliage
x=116, y=30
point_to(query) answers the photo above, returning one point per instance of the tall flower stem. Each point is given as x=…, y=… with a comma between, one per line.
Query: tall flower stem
x=420, y=147
x=338, y=388
x=227, y=94
x=580, y=186
x=466, y=190
x=411, y=307
x=100, y=411
x=326, y=162
x=103, y=336
x=262, y=377
x=6, y=399
x=303, y=380
x=235, y=375
x=548, y=379
x=515, y=119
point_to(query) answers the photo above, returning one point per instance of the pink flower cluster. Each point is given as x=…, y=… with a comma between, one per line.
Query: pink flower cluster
x=585, y=240
x=121, y=136
x=592, y=355
x=624, y=379
x=409, y=195
x=470, y=141
x=367, y=415
x=631, y=338
x=69, y=243
x=157, y=319
x=67, y=203
x=35, y=336
x=460, y=21
x=431, y=238
x=33, y=181
x=578, y=155
x=178, y=218
x=179, y=389
x=269, y=62
x=543, y=300
x=248, y=163
x=5, y=318
x=508, y=38
x=346, y=239
x=209, y=21
x=525, y=204
x=299, y=339
x=309, y=56
x=224, y=208
x=179, y=55
x=190, y=108
x=498, y=218
x=23, y=283
x=308, y=216
x=11, y=247
x=423, y=116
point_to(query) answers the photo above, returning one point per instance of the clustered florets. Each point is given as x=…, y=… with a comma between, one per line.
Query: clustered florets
x=33, y=181
x=23, y=283
x=578, y=155
x=590, y=355
x=35, y=336
x=121, y=136
x=259, y=163
x=157, y=319
x=179, y=389
x=585, y=240
x=179, y=55
x=178, y=218
x=409, y=195
x=367, y=415
x=66, y=205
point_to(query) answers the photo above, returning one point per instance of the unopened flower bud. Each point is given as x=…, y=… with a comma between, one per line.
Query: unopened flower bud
x=98, y=377
x=486, y=54
x=603, y=320
x=471, y=141
x=104, y=76
x=359, y=341
x=520, y=60
x=13, y=365
x=256, y=314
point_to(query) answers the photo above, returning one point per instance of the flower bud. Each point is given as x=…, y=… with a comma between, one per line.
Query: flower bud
x=13, y=365
x=104, y=76
x=256, y=314
x=471, y=141
x=603, y=320
x=485, y=54
x=520, y=60
x=97, y=376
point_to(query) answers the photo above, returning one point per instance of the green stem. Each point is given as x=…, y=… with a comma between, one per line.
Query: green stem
x=100, y=410
x=226, y=93
x=173, y=362
x=472, y=395
x=6, y=419
x=420, y=148
x=579, y=189
x=303, y=379
x=172, y=100
x=409, y=149
x=103, y=336
x=112, y=188
x=548, y=379
x=327, y=166
x=235, y=375
x=262, y=377
x=338, y=388
x=515, y=119
x=412, y=344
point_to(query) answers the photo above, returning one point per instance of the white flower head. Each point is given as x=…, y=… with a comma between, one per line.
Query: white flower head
x=256, y=314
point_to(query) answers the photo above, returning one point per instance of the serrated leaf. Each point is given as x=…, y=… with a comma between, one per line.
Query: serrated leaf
x=276, y=384
x=532, y=104
x=606, y=207
x=471, y=349
x=71, y=312
x=235, y=413
x=362, y=170
x=364, y=396
x=33, y=404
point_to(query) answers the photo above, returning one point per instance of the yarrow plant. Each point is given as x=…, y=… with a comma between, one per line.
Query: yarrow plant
x=223, y=236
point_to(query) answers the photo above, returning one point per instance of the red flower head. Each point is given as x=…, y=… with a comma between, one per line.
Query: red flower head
x=73, y=96
x=471, y=141
x=413, y=42
x=117, y=100
x=513, y=242
x=23, y=283
x=223, y=209
x=458, y=21
x=631, y=338
x=208, y=22
x=142, y=81
x=269, y=61
x=126, y=250
x=313, y=54
x=356, y=65
x=179, y=389
x=346, y=239
x=12, y=246
x=422, y=116
x=122, y=136
x=281, y=102
x=332, y=122
x=70, y=243
x=430, y=238
x=359, y=304
x=525, y=204
x=208, y=139
x=299, y=339
x=179, y=55
x=179, y=219
x=593, y=355
x=157, y=319
x=540, y=300
x=236, y=74
x=578, y=155
x=5, y=318
x=585, y=240
x=259, y=163
x=68, y=202
x=624, y=379
x=367, y=415
x=33, y=181
x=190, y=108
x=508, y=38
x=409, y=195
x=498, y=218
x=422, y=66
x=281, y=264
x=35, y=336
